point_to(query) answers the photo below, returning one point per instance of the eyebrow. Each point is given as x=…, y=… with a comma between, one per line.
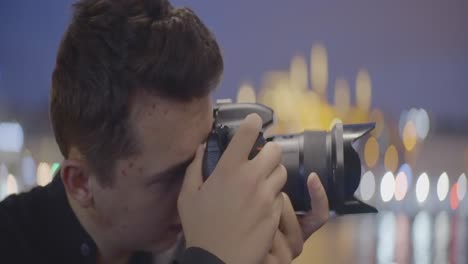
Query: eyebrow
x=171, y=172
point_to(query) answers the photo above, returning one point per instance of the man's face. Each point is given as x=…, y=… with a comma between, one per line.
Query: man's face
x=140, y=209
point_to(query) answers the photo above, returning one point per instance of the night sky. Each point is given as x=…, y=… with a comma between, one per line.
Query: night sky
x=416, y=52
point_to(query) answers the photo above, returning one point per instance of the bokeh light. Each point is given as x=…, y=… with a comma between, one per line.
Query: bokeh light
x=367, y=186
x=443, y=186
x=454, y=201
x=406, y=168
x=387, y=187
x=386, y=236
x=461, y=187
x=409, y=136
x=402, y=122
x=246, y=94
x=371, y=152
x=422, y=237
x=422, y=187
x=11, y=185
x=377, y=117
x=441, y=237
x=12, y=137
x=402, y=241
x=342, y=97
x=391, y=159
x=54, y=168
x=422, y=123
x=401, y=186
x=319, y=68
x=363, y=90
x=298, y=73
x=43, y=174
x=3, y=179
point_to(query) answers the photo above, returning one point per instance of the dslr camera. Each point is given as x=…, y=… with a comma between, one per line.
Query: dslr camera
x=328, y=153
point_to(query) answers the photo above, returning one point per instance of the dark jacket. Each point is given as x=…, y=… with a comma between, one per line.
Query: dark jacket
x=40, y=227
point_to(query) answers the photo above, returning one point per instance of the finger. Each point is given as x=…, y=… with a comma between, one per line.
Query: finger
x=281, y=249
x=268, y=158
x=319, y=214
x=193, y=175
x=289, y=226
x=275, y=182
x=242, y=142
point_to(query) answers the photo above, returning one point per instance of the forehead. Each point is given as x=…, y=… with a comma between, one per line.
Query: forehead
x=170, y=131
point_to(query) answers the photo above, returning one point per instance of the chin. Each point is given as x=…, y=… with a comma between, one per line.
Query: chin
x=168, y=242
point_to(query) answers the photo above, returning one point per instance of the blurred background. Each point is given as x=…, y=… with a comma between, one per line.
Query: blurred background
x=403, y=65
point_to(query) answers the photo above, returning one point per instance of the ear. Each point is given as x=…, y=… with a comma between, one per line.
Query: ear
x=77, y=181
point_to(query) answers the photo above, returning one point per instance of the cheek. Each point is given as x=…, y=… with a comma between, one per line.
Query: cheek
x=151, y=209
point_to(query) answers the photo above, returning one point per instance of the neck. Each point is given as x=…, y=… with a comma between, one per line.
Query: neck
x=107, y=249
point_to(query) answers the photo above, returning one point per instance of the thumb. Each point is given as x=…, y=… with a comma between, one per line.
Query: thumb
x=193, y=175
x=317, y=193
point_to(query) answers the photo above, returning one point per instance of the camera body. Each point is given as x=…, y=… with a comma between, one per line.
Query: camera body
x=328, y=153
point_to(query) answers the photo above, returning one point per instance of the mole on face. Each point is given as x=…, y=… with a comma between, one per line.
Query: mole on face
x=140, y=170
x=130, y=165
x=124, y=173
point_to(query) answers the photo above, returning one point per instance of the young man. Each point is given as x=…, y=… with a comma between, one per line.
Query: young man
x=131, y=109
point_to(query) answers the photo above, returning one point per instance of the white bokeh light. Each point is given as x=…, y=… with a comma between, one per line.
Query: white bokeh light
x=422, y=188
x=367, y=187
x=3, y=180
x=387, y=187
x=443, y=186
x=421, y=120
x=12, y=137
x=422, y=238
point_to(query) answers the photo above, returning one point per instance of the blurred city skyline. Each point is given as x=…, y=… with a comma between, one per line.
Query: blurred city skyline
x=415, y=52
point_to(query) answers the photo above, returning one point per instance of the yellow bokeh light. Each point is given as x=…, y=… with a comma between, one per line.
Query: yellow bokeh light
x=342, y=97
x=371, y=152
x=246, y=94
x=410, y=136
x=363, y=90
x=391, y=159
x=377, y=117
x=11, y=185
x=319, y=68
x=43, y=174
x=309, y=111
x=284, y=101
x=298, y=75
